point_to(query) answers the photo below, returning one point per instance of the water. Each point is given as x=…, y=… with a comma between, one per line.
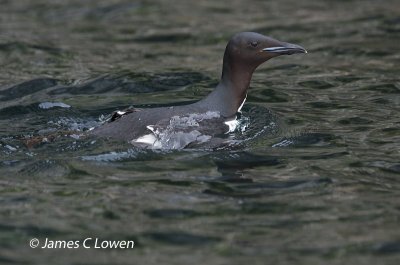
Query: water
x=313, y=178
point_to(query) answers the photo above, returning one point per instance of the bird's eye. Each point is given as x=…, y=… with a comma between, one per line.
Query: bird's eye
x=254, y=43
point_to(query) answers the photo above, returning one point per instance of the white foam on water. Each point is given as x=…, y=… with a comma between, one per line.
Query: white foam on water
x=49, y=105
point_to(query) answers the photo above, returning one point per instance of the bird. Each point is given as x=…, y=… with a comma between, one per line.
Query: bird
x=184, y=126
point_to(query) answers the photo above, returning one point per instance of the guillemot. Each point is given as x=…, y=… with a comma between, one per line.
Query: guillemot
x=182, y=126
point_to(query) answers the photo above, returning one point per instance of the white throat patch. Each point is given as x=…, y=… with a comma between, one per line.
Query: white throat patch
x=241, y=106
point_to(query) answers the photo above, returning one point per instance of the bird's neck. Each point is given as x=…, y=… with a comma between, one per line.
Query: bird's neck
x=231, y=91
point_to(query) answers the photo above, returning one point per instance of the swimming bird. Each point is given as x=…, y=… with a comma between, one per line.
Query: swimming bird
x=189, y=125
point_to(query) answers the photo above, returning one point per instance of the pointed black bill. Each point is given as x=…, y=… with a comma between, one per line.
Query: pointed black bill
x=286, y=48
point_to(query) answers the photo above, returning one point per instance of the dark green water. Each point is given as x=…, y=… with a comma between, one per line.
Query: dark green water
x=318, y=186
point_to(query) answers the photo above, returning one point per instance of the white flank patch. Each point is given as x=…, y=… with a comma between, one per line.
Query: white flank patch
x=148, y=139
x=232, y=124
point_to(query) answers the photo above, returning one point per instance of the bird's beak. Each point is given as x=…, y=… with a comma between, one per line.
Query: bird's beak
x=286, y=48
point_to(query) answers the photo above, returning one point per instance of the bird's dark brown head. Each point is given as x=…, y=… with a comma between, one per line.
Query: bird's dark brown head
x=252, y=49
x=243, y=54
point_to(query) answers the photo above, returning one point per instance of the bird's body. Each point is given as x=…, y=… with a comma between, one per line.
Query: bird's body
x=138, y=127
x=181, y=126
